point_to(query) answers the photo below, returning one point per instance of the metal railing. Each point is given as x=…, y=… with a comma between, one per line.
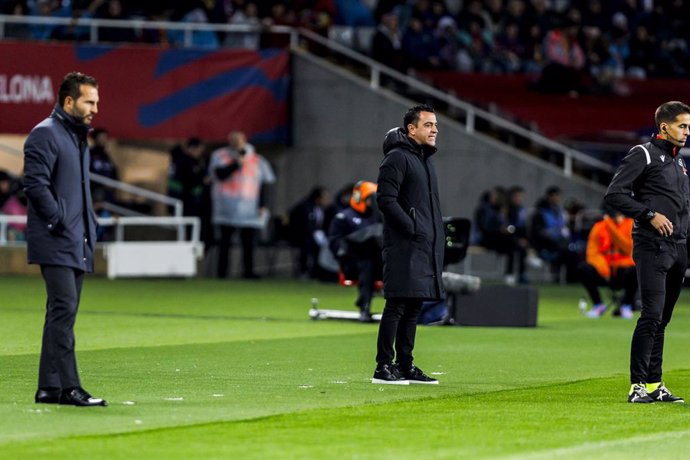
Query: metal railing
x=119, y=223
x=138, y=25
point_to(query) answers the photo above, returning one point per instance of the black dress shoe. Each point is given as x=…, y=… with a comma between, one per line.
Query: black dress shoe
x=48, y=395
x=80, y=397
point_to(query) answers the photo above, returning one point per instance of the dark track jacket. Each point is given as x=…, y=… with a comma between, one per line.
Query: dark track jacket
x=652, y=177
x=61, y=222
x=413, y=235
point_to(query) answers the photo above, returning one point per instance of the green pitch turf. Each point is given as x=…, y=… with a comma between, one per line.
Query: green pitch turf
x=209, y=369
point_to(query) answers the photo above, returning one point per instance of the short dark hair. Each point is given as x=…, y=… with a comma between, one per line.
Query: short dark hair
x=667, y=112
x=70, y=86
x=553, y=190
x=412, y=115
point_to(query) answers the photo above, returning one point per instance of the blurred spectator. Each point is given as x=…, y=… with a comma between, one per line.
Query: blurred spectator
x=496, y=233
x=353, y=13
x=47, y=9
x=609, y=263
x=550, y=235
x=239, y=176
x=16, y=8
x=341, y=201
x=355, y=238
x=420, y=46
x=114, y=10
x=200, y=38
x=12, y=203
x=564, y=70
x=307, y=229
x=517, y=228
x=187, y=174
x=247, y=16
x=386, y=45
x=101, y=164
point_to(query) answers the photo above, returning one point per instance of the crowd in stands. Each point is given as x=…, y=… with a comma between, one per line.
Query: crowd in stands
x=575, y=43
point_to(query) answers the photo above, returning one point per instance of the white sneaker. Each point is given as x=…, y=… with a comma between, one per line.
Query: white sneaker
x=626, y=312
x=597, y=311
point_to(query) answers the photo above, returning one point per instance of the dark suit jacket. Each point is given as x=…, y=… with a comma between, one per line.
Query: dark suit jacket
x=61, y=221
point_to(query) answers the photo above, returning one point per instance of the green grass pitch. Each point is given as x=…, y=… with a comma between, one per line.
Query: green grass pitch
x=208, y=369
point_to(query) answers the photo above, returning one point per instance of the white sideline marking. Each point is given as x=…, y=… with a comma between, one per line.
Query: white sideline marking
x=594, y=446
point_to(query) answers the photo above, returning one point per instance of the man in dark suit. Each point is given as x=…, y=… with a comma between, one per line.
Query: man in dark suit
x=61, y=232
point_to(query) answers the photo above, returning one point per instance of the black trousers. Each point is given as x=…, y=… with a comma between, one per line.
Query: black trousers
x=248, y=237
x=58, y=363
x=397, y=331
x=660, y=271
x=624, y=278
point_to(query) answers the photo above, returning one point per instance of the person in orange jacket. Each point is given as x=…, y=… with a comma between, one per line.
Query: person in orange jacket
x=609, y=262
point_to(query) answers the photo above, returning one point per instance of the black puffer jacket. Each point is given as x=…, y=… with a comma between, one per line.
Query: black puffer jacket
x=413, y=236
x=652, y=177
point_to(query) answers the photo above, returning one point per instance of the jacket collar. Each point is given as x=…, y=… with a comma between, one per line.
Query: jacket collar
x=71, y=123
x=665, y=145
x=398, y=138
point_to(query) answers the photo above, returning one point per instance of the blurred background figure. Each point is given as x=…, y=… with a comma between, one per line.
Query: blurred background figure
x=102, y=164
x=354, y=237
x=12, y=203
x=550, y=234
x=239, y=176
x=188, y=181
x=307, y=229
x=609, y=263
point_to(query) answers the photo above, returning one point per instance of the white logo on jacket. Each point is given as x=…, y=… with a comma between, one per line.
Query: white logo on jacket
x=663, y=157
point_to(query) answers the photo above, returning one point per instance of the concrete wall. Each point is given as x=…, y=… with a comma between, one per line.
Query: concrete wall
x=339, y=124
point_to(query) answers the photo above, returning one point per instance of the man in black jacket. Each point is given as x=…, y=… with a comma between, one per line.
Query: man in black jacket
x=61, y=232
x=413, y=242
x=651, y=185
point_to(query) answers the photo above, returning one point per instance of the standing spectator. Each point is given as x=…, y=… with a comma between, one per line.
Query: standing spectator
x=239, y=176
x=12, y=203
x=517, y=228
x=61, y=234
x=187, y=175
x=550, y=233
x=413, y=242
x=651, y=186
x=247, y=16
x=308, y=230
x=386, y=45
x=565, y=61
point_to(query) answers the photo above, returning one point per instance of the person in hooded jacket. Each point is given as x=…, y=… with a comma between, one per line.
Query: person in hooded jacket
x=61, y=231
x=651, y=186
x=413, y=242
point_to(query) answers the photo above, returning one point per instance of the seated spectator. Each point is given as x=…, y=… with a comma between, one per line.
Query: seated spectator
x=354, y=237
x=307, y=230
x=200, y=38
x=550, y=235
x=420, y=46
x=564, y=71
x=247, y=16
x=609, y=263
x=113, y=9
x=496, y=233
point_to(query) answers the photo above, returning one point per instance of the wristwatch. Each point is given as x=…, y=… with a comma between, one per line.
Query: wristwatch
x=649, y=215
